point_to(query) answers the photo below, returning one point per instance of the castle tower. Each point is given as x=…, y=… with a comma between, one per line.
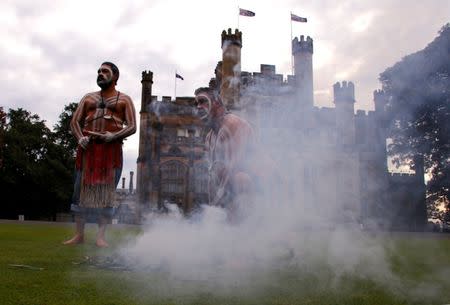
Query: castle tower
x=347, y=157
x=380, y=99
x=143, y=162
x=344, y=99
x=231, y=67
x=302, y=51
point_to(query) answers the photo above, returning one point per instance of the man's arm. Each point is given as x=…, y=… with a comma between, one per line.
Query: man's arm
x=130, y=118
x=75, y=126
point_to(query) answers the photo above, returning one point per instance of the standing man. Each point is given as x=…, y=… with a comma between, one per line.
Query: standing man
x=230, y=146
x=100, y=123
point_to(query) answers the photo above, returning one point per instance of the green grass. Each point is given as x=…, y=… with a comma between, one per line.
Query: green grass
x=419, y=264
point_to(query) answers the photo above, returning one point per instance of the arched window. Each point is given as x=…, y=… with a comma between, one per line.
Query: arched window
x=201, y=178
x=173, y=178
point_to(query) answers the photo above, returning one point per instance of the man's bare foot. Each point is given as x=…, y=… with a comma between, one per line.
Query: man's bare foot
x=101, y=243
x=77, y=239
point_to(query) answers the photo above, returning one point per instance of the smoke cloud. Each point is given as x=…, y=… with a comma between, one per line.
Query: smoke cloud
x=292, y=222
x=276, y=227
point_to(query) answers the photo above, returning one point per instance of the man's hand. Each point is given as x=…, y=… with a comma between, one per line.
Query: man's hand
x=108, y=136
x=83, y=141
x=104, y=136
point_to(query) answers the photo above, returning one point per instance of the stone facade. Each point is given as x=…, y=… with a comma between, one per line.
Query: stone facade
x=171, y=166
x=351, y=165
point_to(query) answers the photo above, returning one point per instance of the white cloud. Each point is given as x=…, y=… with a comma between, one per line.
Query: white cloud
x=363, y=21
x=50, y=50
x=349, y=71
x=324, y=54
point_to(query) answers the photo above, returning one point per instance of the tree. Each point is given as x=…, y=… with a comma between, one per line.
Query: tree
x=36, y=177
x=62, y=133
x=2, y=134
x=419, y=111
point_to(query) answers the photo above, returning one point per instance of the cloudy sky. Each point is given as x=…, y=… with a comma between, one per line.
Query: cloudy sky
x=50, y=50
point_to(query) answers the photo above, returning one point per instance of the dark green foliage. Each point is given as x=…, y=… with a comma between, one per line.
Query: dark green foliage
x=419, y=111
x=36, y=176
x=2, y=134
x=62, y=132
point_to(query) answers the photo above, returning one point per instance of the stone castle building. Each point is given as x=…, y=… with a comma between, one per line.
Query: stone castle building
x=332, y=149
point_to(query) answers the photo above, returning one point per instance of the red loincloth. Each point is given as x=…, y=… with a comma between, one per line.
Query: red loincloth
x=98, y=165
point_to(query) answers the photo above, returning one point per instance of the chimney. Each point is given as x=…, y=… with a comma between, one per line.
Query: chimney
x=131, y=182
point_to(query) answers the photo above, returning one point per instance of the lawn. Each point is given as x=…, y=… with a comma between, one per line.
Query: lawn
x=36, y=269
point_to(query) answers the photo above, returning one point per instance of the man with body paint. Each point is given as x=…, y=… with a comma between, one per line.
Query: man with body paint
x=230, y=146
x=100, y=123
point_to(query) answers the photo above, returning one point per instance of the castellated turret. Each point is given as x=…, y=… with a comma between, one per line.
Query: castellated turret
x=231, y=67
x=147, y=76
x=302, y=51
x=380, y=99
x=147, y=82
x=228, y=37
x=302, y=45
x=344, y=99
x=344, y=93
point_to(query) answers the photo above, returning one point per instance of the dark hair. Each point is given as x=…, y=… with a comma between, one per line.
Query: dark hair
x=219, y=64
x=211, y=92
x=203, y=89
x=114, y=69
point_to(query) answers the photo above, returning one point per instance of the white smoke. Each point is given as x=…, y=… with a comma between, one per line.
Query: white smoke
x=291, y=224
x=276, y=227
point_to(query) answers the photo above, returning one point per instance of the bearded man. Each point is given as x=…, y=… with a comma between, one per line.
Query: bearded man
x=230, y=147
x=100, y=123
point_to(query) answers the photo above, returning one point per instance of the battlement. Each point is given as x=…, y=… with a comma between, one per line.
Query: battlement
x=371, y=114
x=403, y=178
x=267, y=69
x=266, y=76
x=360, y=113
x=378, y=94
x=232, y=38
x=291, y=80
x=147, y=76
x=402, y=174
x=344, y=92
x=302, y=45
x=180, y=100
x=380, y=99
x=167, y=107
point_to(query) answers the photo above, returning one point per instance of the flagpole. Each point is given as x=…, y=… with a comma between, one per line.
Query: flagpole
x=175, y=91
x=239, y=13
x=292, y=56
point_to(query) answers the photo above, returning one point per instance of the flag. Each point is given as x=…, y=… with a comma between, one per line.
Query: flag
x=247, y=13
x=298, y=18
x=179, y=76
